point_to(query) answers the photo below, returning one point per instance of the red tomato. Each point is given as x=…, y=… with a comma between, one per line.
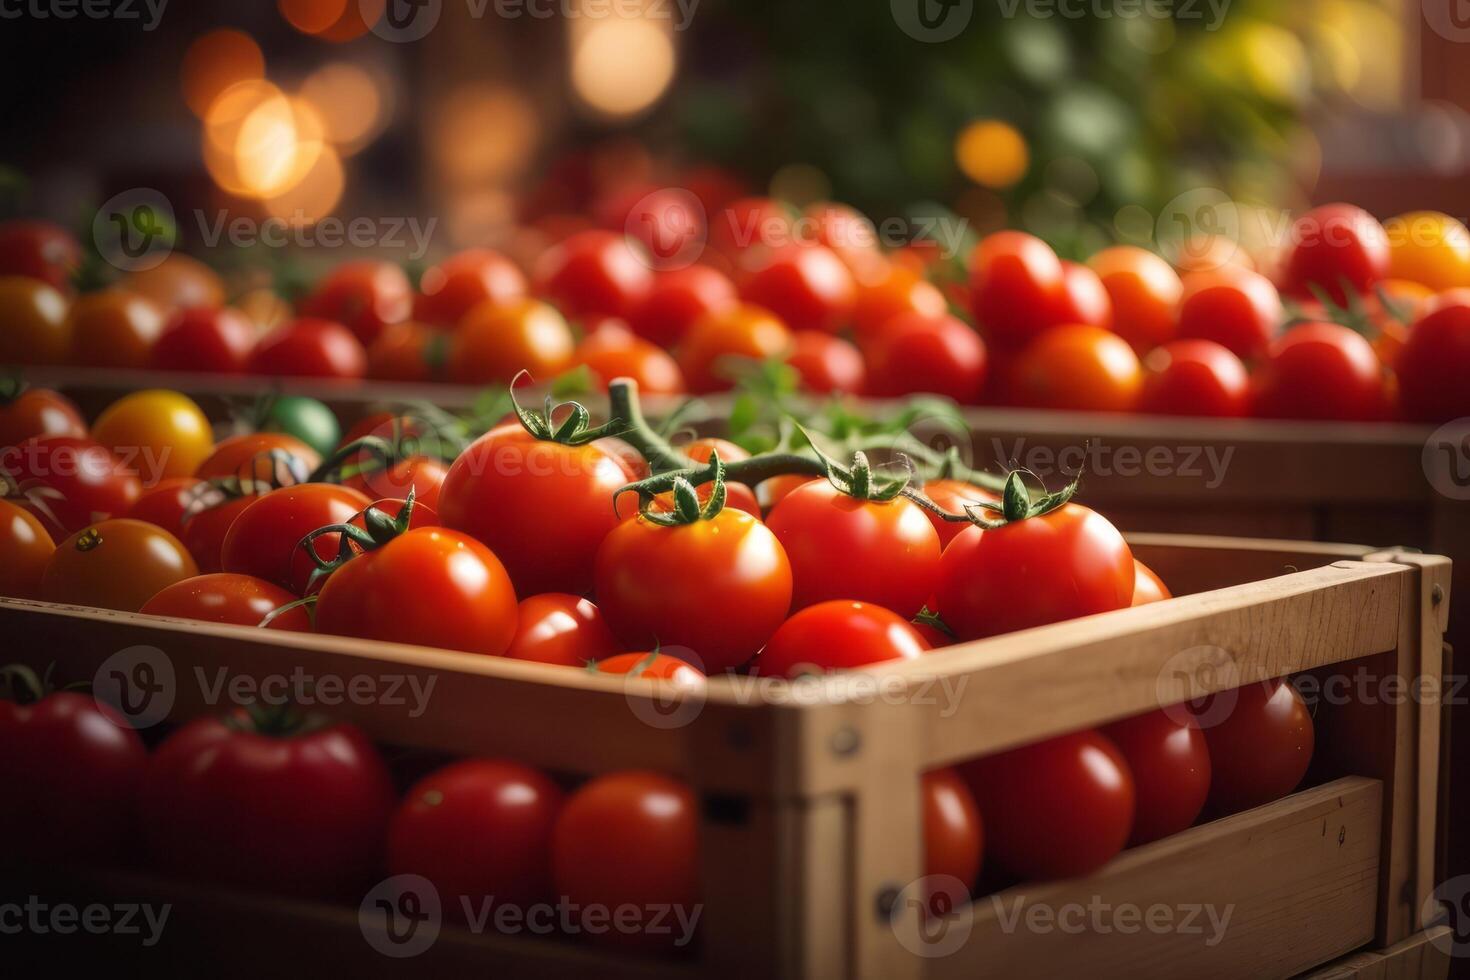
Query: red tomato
x=1066, y=563
x=1145, y=291
x=653, y=666
x=557, y=628
x=668, y=222
x=421, y=474
x=1234, y=307
x=253, y=457
x=1060, y=808
x=38, y=412
x=114, y=328
x=1321, y=371
x=1434, y=365
x=677, y=299
x=216, y=341
x=883, y=552
x=299, y=812
x=592, y=273
x=364, y=296
x=1147, y=586
x=896, y=289
x=657, y=585
x=310, y=348
x=1337, y=247
x=953, y=832
x=452, y=288
x=914, y=353
x=630, y=840
x=1260, y=738
x=737, y=495
x=717, y=342
x=1171, y=771
x=839, y=634
x=826, y=364
x=495, y=343
x=478, y=830
x=25, y=549
x=807, y=286
x=239, y=600
x=542, y=507
x=953, y=496
x=613, y=351
x=1084, y=297
x=204, y=531
x=1195, y=377
x=90, y=483
x=772, y=491
x=72, y=767
x=750, y=221
x=39, y=250
x=262, y=540
x=1017, y=287
x=166, y=503
x=1078, y=368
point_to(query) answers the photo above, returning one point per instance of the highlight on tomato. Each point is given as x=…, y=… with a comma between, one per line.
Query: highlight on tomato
x=839, y=634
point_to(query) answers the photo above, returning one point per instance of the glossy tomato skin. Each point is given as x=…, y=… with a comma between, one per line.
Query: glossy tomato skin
x=1084, y=297
x=310, y=347
x=39, y=412
x=117, y=564
x=677, y=299
x=1170, y=763
x=895, y=289
x=37, y=328
x=653, y=666
x=716, y=340
x=1060, y=808
x=1078, y=368
x=826, y=364
x=542, y=507
x=630, y=839
x=248, y=457
x=25, y=549
x=205, y=528
x=1195, y=377
x=159, y=433
x=302, y=814
x=1433, y=364
x=1429, y=247
x=452, y=288
x=883, y=552
x=478, y=829
x=613, y=351
x=1234, y=307
x=93, y=483
x=660, y=585
x=1260, y=738
x=237, y=600
x=839, y=635
x=953, y=829
x=1336, y=247
x=262, y=540
x=1147, y=586
x=807, y=286
x=179, y=282
x=1067, y=563
x=557, y=628
x=165, y=504
x=1320, y=371
x=1016, y=287
x=1145, y=292
x=364, y=296
x=39, y=250
x=495, y=343
x=593, y=272
x=115, y=328
x=212, y=341
x=938, y=355
x=422, y=475
x=954, y=496
x=73, y=767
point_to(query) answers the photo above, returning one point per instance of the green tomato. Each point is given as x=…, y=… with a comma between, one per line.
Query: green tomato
x=305, y=418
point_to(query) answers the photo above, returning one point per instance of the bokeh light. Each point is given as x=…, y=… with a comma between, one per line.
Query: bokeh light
x=313, y=196
x=620, y=66
x=259, y=142
x=214, y=62
x=991, y=153
x=482, y=132
x=350, y=103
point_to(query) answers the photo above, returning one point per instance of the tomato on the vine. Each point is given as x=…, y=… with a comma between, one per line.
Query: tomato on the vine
x=115, y=564
x=216, y=341
x=913, y=352
x=737, y=495
x=262, y=540
x=711, y=351
x=839, y=634
x=1321, y=371
x=1195, y=377
x=364, y=296
x=1079, y=368
x=254, y=456
x=557, y=628
x=452, y=288
x=421, y=475
x=953, y=496
x=224, y=597
x=310, y=348
x=495, y=343
x=1170, y=763
x=25, y=548
x=1260, y=738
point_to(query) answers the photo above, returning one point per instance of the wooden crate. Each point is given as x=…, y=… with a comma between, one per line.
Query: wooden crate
x=810, y=817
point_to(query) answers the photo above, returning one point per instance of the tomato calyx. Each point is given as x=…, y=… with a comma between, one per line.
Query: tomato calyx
x=22, y=685
x=280, y=720
x=378, y=530
x=1017, y=502
x=1352, y=313
x=687, y=508
x=648, y=661
x=12, y=386
x=575, y=428
x=32, y=494
x=933, y=620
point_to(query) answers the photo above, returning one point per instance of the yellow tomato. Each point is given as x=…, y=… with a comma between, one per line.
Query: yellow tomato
x=34, y=328
x=1430, y=248
x=158, y=434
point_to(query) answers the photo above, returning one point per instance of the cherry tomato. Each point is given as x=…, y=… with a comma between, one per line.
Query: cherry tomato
x=408, y=351
x=1084, y=297
x=750, y=221
x=613, y=351
x=1338, y=248
x=1066, y=563
x=914, y=353
x=495, y=343
x=179, y=282
x=305, y=418
x=115, y=328
x=167, y=504
x=772, y=491
x=115, y=564
x=1059, y=808
x=1170, y=764
x=37, y=328
x=882, y=552
x=677, y=299
x=737, y=495
x=73, y=767
x=658, y=585
x=217, y=341
x=666, y=221
x=421, y=474
x=557, y=628
x=262, y=540
x=826, y=364
x=452, y=288
x=542, y=507
x=300, y=811
x=807, y=286
x=1428, y=247
x=89, y=483
x=954, y=496
x=1195, y=377
x=593, y=272
x=848, y=232
x=39, y=250
x=714, y=346
x=1147, y=586
x=895, y=289
x=239, y=600
x=478, y=830
x=25, y=549
x=422, y=516
x=205, y=529
x=38, y=412
x=1017, y=287
x=158, y=433
x=248, y=457
x=1209, y=253
x=1261, y=740
x=1078, y=368
x=310, y=348
x=839, y=634
x=1145, y=292
x=953, y=832
x=654, y=666
x=1320, y=371
x=1234, y=307
x=630, y=840
x=1433, y=365
x=364, y=296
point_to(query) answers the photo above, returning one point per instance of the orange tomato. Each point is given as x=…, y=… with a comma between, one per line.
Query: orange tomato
x=1080, y=368
x=896, y=289
x=115, y=564
x=407, y=352
x=115, y=328
x=614, y=351
x=25, y=549
x=37, y=329
x=494, y=343
x=179, y=283
x=1145, y=291
x=716, y=339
